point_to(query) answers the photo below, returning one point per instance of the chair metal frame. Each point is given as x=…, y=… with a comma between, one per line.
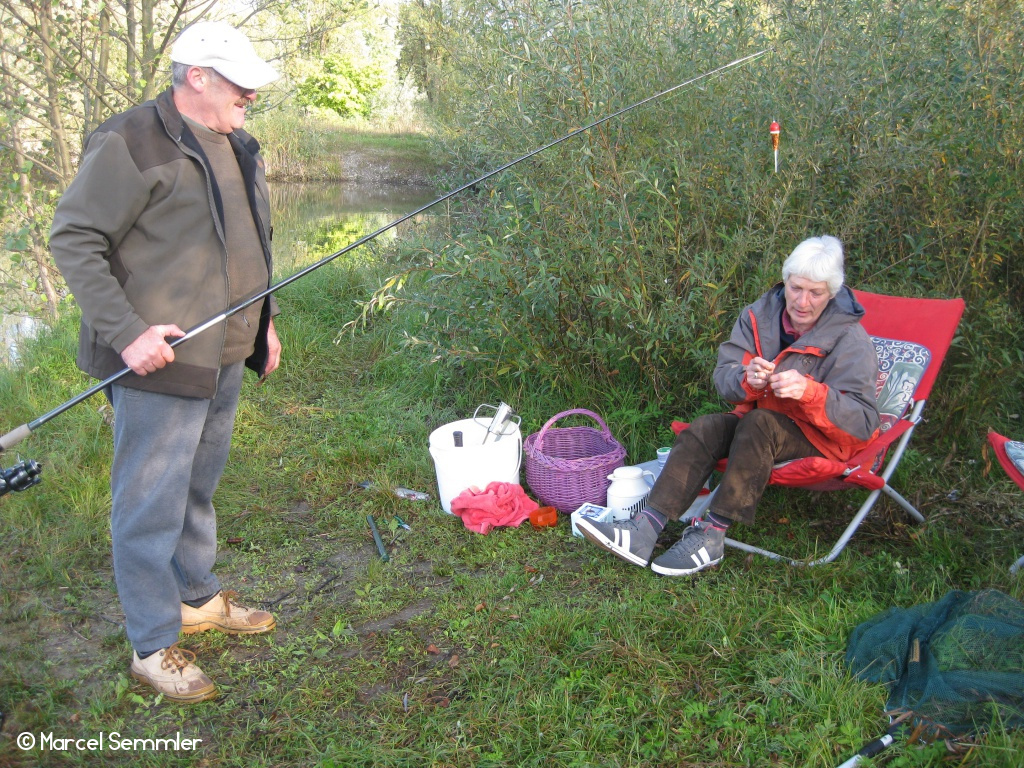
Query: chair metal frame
x=999, y=443
x=936, y=324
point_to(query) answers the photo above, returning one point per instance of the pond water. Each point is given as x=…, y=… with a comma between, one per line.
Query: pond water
x=311, y=221
x=13, y=330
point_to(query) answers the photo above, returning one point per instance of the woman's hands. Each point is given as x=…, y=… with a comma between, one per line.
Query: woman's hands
x=758, y=372
x=785, y=384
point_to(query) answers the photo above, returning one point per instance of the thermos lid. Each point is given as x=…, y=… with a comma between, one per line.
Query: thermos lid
x=627, y=473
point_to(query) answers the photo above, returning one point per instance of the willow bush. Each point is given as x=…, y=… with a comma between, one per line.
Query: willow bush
x=615, y=263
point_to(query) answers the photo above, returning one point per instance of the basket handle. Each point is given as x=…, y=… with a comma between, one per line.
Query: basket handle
x=543, y=430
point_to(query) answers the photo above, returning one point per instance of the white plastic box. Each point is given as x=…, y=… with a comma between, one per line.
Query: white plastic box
x=590, y=511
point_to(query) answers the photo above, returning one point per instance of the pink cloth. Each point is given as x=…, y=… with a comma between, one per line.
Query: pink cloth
x=498, y=504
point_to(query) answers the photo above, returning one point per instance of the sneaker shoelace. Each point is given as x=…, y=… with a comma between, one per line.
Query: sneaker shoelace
x=176, y=658
x=228, y=595
x=633, y=524
x=695, y=528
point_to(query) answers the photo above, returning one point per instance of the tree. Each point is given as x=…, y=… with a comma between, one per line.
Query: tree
x=422, y=32
x=341, y=87
x=71, y=65
x=67, y=66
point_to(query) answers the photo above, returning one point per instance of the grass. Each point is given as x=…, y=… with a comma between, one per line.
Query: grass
x=319, y=147
x=519, y=648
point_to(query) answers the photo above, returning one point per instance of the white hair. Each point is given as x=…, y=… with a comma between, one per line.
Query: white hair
x=819, y=259
x=179, y=74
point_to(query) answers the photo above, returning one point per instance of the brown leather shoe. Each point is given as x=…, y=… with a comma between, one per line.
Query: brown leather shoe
x=172, y=672
x=224, y=615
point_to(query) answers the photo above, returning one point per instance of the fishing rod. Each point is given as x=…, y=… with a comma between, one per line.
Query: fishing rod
x=26, y=473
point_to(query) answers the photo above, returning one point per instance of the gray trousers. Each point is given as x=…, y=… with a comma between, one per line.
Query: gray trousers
x=169, y=454
x=753, y=444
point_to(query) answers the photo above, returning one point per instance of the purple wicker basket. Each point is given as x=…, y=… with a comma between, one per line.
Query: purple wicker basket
x=569, y=466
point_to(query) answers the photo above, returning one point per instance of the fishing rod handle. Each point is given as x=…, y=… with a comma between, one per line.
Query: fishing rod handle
x=18, y=434
x=870, y=749
x=14, y=437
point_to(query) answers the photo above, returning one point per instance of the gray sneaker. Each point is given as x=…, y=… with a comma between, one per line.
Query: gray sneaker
x=631, y=540
x=701, y=546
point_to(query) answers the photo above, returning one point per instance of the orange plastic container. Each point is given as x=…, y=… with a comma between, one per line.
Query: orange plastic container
x=543, y=517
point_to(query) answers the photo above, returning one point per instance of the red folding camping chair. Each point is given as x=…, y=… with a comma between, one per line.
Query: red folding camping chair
x=1011, y=458
x=911, y=337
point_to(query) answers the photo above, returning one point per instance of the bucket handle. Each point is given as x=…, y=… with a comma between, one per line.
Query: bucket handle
x=583, y=411
x=483, y=405
x=515, y=416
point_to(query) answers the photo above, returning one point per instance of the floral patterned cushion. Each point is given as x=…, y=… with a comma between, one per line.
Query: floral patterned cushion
x=900, y=367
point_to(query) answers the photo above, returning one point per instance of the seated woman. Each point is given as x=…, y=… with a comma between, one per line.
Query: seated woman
x=801, y=371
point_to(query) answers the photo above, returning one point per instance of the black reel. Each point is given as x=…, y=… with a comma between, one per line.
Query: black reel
x=20, y=477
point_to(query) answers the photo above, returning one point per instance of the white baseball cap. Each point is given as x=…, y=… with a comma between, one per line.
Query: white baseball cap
x=218, y=45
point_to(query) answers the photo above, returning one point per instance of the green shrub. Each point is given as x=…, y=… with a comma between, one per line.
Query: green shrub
x=615, y=263
x=342, y=87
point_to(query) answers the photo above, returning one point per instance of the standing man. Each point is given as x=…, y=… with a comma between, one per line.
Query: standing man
x=166, y=224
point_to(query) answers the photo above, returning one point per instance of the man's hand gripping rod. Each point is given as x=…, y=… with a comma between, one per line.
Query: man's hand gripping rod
x=31, y=469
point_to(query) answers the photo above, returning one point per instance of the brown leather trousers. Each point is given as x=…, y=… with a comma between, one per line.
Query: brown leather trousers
x=752, y=444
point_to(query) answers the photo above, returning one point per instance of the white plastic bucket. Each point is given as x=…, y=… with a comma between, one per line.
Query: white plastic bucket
x=476, y=463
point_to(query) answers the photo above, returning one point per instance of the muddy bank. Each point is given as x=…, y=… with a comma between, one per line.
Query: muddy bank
x=370, y=167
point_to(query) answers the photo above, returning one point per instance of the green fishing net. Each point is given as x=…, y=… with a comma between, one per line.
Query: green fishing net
x=956, y=664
